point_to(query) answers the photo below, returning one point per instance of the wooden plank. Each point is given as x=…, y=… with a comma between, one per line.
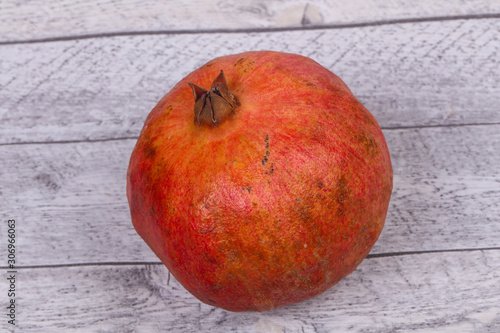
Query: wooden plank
x=446, y=183
x=419, y=74
x=436, y=292
x=28, y=20
x=69, y=199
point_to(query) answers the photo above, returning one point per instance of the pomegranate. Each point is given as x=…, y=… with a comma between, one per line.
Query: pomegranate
x=260, y=181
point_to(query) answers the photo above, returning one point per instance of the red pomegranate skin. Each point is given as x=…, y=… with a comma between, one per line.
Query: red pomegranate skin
x=275, y=204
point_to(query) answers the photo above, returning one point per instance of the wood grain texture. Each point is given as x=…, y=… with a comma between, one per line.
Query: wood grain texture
x=77, y=80
x=439, y=292
x=418, y=74
x=35, y=20
x=71, y=197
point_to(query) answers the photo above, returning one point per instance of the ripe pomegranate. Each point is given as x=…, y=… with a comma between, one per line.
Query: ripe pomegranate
x=260, y=181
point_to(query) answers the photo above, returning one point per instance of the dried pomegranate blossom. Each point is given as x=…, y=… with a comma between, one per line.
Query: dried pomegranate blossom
x=213, y=106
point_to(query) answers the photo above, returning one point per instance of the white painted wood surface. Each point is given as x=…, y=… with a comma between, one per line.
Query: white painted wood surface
x=77, y=80
x=42, y=20
x=437, y=292
x=413, y=74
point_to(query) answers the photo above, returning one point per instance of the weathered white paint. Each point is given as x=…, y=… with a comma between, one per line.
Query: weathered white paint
x=433, y=86
x=28, y=20
x=419, y=74
x=424, y=292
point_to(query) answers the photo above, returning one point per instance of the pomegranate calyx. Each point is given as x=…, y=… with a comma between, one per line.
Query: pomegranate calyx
x=212, y=106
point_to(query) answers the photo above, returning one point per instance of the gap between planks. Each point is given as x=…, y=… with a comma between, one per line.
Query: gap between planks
x=137, y=137
x=145, y=263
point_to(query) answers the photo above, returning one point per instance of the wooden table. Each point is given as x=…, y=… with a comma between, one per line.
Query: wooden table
x=77, y=80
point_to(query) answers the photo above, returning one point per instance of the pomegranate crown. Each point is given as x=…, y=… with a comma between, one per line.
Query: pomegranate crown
x=212, y=106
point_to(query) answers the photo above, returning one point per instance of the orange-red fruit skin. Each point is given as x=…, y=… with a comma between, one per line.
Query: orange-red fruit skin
x=278, y=202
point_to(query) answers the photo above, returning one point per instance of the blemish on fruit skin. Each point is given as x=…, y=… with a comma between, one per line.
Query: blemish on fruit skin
x=149, y=151
x=239, y=62
x=245, y=64
x=342, y=194
x=271, y=170
x=168, y=109
x=266, y=157
x=369, y=143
